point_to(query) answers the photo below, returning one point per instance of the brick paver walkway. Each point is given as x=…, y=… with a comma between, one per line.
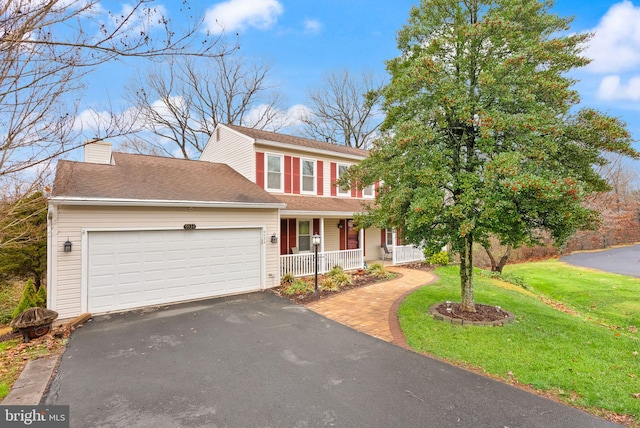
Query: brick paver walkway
x=372, y=309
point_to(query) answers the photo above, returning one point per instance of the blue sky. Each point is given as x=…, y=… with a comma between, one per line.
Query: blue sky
x=302, y=39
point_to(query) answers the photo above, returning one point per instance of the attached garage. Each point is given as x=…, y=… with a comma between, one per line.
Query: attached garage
x=141, y=231
x=132, y=269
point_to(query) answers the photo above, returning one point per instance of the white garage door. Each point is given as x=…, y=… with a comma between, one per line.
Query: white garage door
x=141, y=268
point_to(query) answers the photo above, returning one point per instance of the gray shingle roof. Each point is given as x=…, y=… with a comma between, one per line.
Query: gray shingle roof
x=259, y=134
x=156, y=178
x=323, y=204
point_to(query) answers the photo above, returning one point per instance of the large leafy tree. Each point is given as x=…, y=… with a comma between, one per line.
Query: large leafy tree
x=482, y=133
x=23, y=237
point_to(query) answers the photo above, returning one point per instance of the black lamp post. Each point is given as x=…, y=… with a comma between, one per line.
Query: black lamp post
x=315, y=240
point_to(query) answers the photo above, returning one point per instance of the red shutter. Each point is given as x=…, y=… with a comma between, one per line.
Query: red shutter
x=320, y=185
x=260, y=169
x=333, y=179
x=343, y=235
x=359, y=193
x=316, y=226
x=377, y=187
x=284, y=236
x=383, y=237
x=287, y=175
x=293, y=239
x=296, y=176
x=353, y=190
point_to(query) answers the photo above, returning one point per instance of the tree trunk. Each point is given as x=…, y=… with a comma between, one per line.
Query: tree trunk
x=503, y=260
x=37, y=282
x=466, y=275
x=493, y=259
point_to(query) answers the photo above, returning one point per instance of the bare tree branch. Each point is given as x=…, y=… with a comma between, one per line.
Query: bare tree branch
x=180, y=105
x=343, y=109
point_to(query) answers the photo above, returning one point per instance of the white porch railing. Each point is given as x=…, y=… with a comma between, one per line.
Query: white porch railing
x=406, y=254
x=304, y=264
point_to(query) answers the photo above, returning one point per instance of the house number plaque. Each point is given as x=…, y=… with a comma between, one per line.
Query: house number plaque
x=189, y=226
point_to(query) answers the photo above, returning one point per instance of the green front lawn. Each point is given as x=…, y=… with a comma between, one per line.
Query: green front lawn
x=589, y=358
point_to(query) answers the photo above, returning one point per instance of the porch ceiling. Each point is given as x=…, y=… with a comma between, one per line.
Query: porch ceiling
x=297, y=204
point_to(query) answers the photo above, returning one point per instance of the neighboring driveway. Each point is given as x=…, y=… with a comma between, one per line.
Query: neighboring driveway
x=622, y=260
x=258, y=361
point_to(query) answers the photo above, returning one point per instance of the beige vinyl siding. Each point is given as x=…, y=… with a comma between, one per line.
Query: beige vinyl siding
x=331, y=234
x=372, y=244
x=69, y=222
x=234, y=149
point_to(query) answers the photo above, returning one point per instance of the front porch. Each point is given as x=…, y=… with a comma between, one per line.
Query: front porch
x=304, y=264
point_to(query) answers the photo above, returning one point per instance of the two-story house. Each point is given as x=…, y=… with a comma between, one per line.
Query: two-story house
x=128, y=231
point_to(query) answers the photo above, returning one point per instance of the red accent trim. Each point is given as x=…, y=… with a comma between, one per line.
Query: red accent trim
x=293, y=231
x=284, y=236
x=287, y=175
x=334, y=189
x=260, y=169
x=343, y=235
x=316, y=226
x=320, y=174
x=296, y=176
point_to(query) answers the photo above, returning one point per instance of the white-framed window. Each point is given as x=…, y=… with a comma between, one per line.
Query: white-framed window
x=274, y=174
x=389, y=238
x=342, y=169
x=367, y=191
x=304, y=235
x=308, y=176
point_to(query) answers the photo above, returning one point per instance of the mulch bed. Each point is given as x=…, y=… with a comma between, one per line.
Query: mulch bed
x=360, y=279
x=483, y=314
x=9, y=336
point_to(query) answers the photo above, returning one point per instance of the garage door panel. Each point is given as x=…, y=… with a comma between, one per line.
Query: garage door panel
x=140, y=268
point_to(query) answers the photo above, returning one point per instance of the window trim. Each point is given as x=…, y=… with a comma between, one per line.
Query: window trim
x=373, y=192
x=339, y=190
x=266, y=172
x=389, y=233
x=302, y=220
x=302, y=176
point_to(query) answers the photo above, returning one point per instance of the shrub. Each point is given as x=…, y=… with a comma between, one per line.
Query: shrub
x=378, y=270
x=287, y=279
x=339, y=276
x=441, y=258
x=297, y=286
x=29, y=299
x=41, y=297
x=328, y=284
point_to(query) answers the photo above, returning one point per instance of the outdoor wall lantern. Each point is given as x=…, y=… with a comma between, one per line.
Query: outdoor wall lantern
x=274, y=239
x=315, y=240
x=340, y=225
x=67, y=246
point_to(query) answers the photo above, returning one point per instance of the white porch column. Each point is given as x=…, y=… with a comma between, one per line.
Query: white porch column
x=361, y=246
x=394, y=237
x=321, y=254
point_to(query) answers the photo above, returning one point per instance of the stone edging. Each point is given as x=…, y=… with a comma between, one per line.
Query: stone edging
x=497, y=323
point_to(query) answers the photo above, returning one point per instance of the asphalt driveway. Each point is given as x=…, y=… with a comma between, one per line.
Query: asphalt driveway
x=257, y=361
x=622, y=260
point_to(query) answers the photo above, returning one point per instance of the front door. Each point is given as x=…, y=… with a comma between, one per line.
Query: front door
x=353, y=236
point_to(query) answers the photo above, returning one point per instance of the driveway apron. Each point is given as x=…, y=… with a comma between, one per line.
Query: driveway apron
x=257, y=360
x=622, y=260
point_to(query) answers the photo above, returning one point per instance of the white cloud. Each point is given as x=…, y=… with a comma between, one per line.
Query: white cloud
x=615, y=46
x=278, y=119
x=233, y=15
x=611, y=88
x=312, y=26
x=92, y=121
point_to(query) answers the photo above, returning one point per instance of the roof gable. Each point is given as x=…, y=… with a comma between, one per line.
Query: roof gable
x=142, y=177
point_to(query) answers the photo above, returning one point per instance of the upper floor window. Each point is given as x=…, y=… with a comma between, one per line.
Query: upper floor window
x=275, y=177
x=367, y=191
x=343, y=190
x=308, y=176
